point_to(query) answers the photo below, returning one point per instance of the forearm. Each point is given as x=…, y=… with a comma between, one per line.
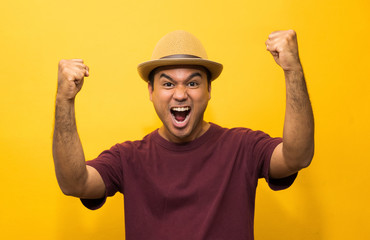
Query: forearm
x=68, y=153
x=298, y=135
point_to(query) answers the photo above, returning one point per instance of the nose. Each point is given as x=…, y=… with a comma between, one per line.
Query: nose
x=180, y=93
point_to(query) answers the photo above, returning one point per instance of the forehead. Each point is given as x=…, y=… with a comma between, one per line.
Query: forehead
x=179, y=69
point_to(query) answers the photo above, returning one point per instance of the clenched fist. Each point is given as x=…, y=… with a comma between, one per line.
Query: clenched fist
x=71, y=75
x=283, y=46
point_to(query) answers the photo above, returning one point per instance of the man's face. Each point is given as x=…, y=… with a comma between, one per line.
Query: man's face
x=180, y=96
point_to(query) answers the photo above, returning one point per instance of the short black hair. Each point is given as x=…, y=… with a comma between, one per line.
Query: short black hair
x=151, y=76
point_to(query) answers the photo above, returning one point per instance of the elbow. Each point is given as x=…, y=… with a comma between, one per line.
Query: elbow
x=297, y=162
x=72, y=185
x=310, y=155
x=305, y=163
x=306, y=159
x=68, y=191
x=71, y=190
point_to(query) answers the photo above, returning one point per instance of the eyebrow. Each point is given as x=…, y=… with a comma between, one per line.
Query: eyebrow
x=196, y=74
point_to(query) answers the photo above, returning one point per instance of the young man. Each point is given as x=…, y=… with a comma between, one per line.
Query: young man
x=190, y=179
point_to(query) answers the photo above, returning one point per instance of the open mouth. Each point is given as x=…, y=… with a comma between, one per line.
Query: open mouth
x=180, y=114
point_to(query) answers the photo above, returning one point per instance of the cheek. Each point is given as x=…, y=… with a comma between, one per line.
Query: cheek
x=161, y=99
x=205, y=95
x=202, y=99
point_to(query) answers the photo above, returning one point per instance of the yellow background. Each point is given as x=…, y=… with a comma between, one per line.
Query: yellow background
x=329, y=200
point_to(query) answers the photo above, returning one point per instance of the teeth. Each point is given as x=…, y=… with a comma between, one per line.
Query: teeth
x=180, y=109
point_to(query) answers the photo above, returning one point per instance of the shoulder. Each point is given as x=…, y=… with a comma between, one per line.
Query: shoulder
x=246, y=137
x=242, y=132
x=127, y=147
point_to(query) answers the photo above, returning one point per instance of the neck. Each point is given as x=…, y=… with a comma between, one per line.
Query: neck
x=196, y=133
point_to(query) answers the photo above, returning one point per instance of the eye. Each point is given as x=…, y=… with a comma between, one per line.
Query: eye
x=168, y=84
x=193, y=84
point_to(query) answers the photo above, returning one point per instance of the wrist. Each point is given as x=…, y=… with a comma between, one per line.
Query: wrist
x=294, y=69
x=293, y=72
x=63, y=100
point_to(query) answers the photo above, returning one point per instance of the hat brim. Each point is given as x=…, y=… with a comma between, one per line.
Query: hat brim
x=145, y=68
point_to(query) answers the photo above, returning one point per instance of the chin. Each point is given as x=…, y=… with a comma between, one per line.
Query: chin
x=179, y=135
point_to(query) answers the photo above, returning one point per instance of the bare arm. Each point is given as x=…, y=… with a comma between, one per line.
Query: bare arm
x=297, y=149
x=74, y=177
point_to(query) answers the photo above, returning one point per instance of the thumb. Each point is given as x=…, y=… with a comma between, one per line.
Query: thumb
x=87, y=69
x=270, y=47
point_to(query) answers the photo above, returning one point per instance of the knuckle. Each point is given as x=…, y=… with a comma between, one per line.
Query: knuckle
x=292, y=33
x=64, y=71
x=61, y=64
x=70, y=78
x=80, y=75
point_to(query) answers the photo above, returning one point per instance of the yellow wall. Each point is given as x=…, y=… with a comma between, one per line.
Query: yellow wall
x=328, y=201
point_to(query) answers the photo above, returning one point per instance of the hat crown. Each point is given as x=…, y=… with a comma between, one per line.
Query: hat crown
x=179, y=43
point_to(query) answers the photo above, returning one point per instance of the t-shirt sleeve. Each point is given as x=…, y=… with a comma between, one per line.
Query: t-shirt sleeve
x=109, y=166
x=263, y=149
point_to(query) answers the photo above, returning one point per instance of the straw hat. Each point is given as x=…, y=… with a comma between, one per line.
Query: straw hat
x=179, y=48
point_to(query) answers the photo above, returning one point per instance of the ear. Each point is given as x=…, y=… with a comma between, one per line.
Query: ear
x=150, y=89
x=209, y=90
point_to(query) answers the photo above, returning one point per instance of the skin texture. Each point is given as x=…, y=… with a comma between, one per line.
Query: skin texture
x=74, y=177
x=297, y=149
x=179, y=86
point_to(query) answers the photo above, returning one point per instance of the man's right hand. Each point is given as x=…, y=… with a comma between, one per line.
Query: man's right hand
x=71, y=75
x=74, y=177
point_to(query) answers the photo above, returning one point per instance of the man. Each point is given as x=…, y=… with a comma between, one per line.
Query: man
x=190, y=179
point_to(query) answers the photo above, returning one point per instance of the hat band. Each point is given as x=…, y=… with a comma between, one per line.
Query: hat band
x=180, y=56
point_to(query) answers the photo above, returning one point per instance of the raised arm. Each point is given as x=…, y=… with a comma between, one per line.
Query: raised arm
x=297, y=149
x=74, y=177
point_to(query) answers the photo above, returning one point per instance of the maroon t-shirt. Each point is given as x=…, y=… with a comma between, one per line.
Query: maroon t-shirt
x=204, y=189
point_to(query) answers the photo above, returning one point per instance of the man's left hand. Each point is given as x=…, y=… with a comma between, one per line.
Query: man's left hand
x=283, y=46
